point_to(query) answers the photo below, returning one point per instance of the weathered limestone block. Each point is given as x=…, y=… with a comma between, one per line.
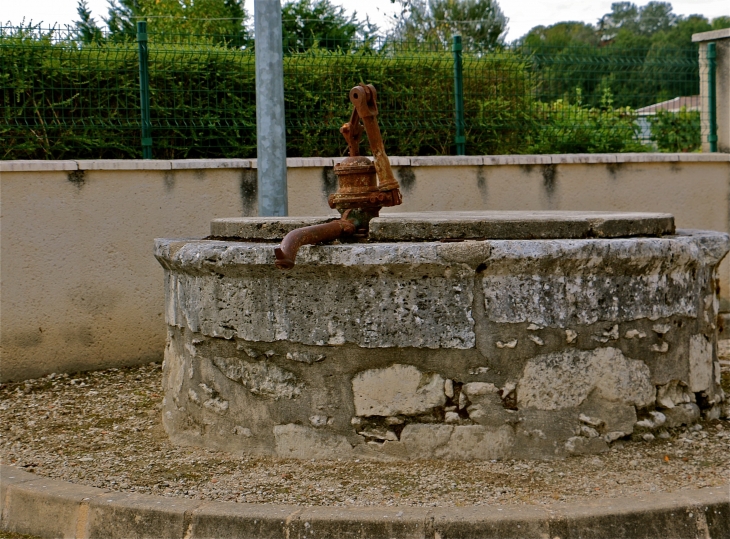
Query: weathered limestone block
x=297, y=441
x=700, y=363
x=541, y=434
x=486, y=406
x=384, y=285
x=421, y=440
x=477, y=442
x=608, y=416
x=260, y=377
x=673, y=393
x=682, y=414
x=564, y=380
x=563, y=283
x=579, y=445
x=399, y=389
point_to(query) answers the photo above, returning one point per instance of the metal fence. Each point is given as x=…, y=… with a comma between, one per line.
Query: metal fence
x=61, y=98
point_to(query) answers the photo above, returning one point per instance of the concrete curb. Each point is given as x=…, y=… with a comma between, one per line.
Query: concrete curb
x=50, y=508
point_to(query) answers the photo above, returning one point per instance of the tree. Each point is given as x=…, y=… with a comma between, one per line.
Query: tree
x=222, y=21
x=481, y=23
x=629, y=20
x=558, y=36
x=307, y=24
x=719, y=23
x=87, y=31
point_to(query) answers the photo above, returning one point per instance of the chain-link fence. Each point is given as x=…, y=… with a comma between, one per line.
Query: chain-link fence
x=61, y=98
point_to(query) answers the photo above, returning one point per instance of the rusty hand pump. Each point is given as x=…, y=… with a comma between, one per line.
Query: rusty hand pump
x=364, y=187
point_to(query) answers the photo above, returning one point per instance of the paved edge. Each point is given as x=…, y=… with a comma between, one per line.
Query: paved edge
x=51, y=508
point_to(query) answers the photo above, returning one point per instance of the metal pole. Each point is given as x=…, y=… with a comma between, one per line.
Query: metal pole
x=460, y=137
x=712, y=94
x=270, y=128
x=144, y=90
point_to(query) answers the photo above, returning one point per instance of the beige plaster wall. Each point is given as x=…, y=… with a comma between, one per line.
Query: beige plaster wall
x=80, y=289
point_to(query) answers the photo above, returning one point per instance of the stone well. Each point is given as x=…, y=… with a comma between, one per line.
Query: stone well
x=467, y=335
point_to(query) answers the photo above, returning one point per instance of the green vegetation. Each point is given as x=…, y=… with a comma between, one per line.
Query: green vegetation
x=676, y=131
x=569, y=87
x=71, y=101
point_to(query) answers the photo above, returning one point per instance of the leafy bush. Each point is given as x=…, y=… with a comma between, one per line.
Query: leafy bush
x=561, y=127
x=676, y=131
x=65, y=100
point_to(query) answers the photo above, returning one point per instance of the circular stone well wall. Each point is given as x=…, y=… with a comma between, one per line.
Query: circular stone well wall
x=437, y=340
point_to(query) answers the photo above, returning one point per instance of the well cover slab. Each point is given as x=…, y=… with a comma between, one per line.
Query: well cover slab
x=487, y=225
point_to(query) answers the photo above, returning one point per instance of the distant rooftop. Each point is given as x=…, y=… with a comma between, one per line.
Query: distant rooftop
x=690, y=102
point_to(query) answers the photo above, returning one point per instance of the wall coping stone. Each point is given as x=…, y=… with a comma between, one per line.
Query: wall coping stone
x=124, y=164
x=197, y=164
x=712, y=35
x=36, y=166
x=685, y=513
x=396, y=161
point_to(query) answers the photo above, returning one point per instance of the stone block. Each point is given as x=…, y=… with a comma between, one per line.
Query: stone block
x=309, y=162
x=203, y=164
x=260, y=377
x=63, y=507
x=647, y=157
x=525, y=160
x=124, y=164
x=682, y=414
x=397, y=390
x=582, y=158
x=579, y=445
x=658, y=516
x=299, y=442
x=700, y=363
x=398, y=161
x=22, y=165
x=421, y=440
x=447, y=160
x=122, y=515
x=673, y=393
x=491, y=522
x=10, y=475
x=476, y=442
x=565, y=379
x=568, y=288
x=225, y=520
x=263, y=228
x=611, y=416
x=359, y=522
x=391, y=312
x=508, y=225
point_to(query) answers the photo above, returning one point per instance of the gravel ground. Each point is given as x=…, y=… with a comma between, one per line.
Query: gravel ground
x=104, y=429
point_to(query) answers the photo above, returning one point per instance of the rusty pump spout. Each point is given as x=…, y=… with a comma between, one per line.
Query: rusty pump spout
x=364, y=187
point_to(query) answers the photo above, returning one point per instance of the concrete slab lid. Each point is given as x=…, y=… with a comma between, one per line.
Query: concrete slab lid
x=262, y=228
x=435, y=226
x=508, y=225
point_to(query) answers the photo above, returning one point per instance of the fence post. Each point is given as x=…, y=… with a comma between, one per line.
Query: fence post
x=460, y=138
x=144, y=90
x=270, y=120
x=712, y=94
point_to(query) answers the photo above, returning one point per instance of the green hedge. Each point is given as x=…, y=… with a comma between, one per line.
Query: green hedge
x=64, y=101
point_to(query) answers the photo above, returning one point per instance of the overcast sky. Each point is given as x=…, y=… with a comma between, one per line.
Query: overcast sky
x=522, y=14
